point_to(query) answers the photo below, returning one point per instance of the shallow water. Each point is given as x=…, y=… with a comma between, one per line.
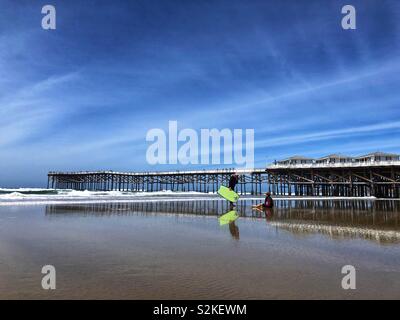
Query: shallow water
x=177, y=249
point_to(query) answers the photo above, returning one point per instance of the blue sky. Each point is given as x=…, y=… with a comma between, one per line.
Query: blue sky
x=84, y=95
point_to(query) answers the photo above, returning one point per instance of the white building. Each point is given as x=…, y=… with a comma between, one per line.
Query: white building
x=334, y=158
x=296, y=160
x=377, y=156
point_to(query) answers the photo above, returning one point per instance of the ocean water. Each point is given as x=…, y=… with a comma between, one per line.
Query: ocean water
x=175, y=246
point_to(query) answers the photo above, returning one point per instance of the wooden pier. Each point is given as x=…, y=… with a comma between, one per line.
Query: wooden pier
x=250, y=181
x=348, y=179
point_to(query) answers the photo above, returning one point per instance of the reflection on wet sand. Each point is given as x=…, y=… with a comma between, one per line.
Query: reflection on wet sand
x=229, y=219
x=200, y=207
x=332, y=231
x=377, y=221
x=373, y=220
x=234, y=230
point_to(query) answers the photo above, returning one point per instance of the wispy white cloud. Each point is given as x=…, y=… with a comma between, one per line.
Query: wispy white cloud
x=31, y=108
x=327, y=134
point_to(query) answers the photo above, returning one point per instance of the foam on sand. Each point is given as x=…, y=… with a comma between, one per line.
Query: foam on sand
x=36, y=196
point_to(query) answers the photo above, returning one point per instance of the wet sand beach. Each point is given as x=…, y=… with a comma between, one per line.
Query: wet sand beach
x=179, y=250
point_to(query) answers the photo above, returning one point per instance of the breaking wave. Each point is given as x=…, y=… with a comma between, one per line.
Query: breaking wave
x=29, y=196
x=36, y=196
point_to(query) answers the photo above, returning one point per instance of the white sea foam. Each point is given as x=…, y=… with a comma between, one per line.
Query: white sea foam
x=49, y=196
x=36, y=196
x=95, y=201
x=33, y=190
x=12, y=195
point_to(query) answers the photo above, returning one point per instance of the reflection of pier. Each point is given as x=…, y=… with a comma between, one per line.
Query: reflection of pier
x=375, y=220
x=371, y=220
x=198, y=207
x=383, y=214
x=334, y=231
x=342, y=179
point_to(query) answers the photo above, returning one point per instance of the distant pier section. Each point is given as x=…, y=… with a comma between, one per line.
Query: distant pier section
x=376, y=174
x=250, y=181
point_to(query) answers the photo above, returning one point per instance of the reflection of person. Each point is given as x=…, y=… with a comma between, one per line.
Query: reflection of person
x=268, y=214
x=234, y=229
x=267, y=204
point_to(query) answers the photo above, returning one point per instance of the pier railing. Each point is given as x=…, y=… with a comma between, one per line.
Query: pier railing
x=164, y=173
x=335, y=165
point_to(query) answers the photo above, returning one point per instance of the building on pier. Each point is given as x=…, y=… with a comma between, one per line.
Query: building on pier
x=295, y=160
x=334, y=158
x=375, y=175
x=377, y=157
